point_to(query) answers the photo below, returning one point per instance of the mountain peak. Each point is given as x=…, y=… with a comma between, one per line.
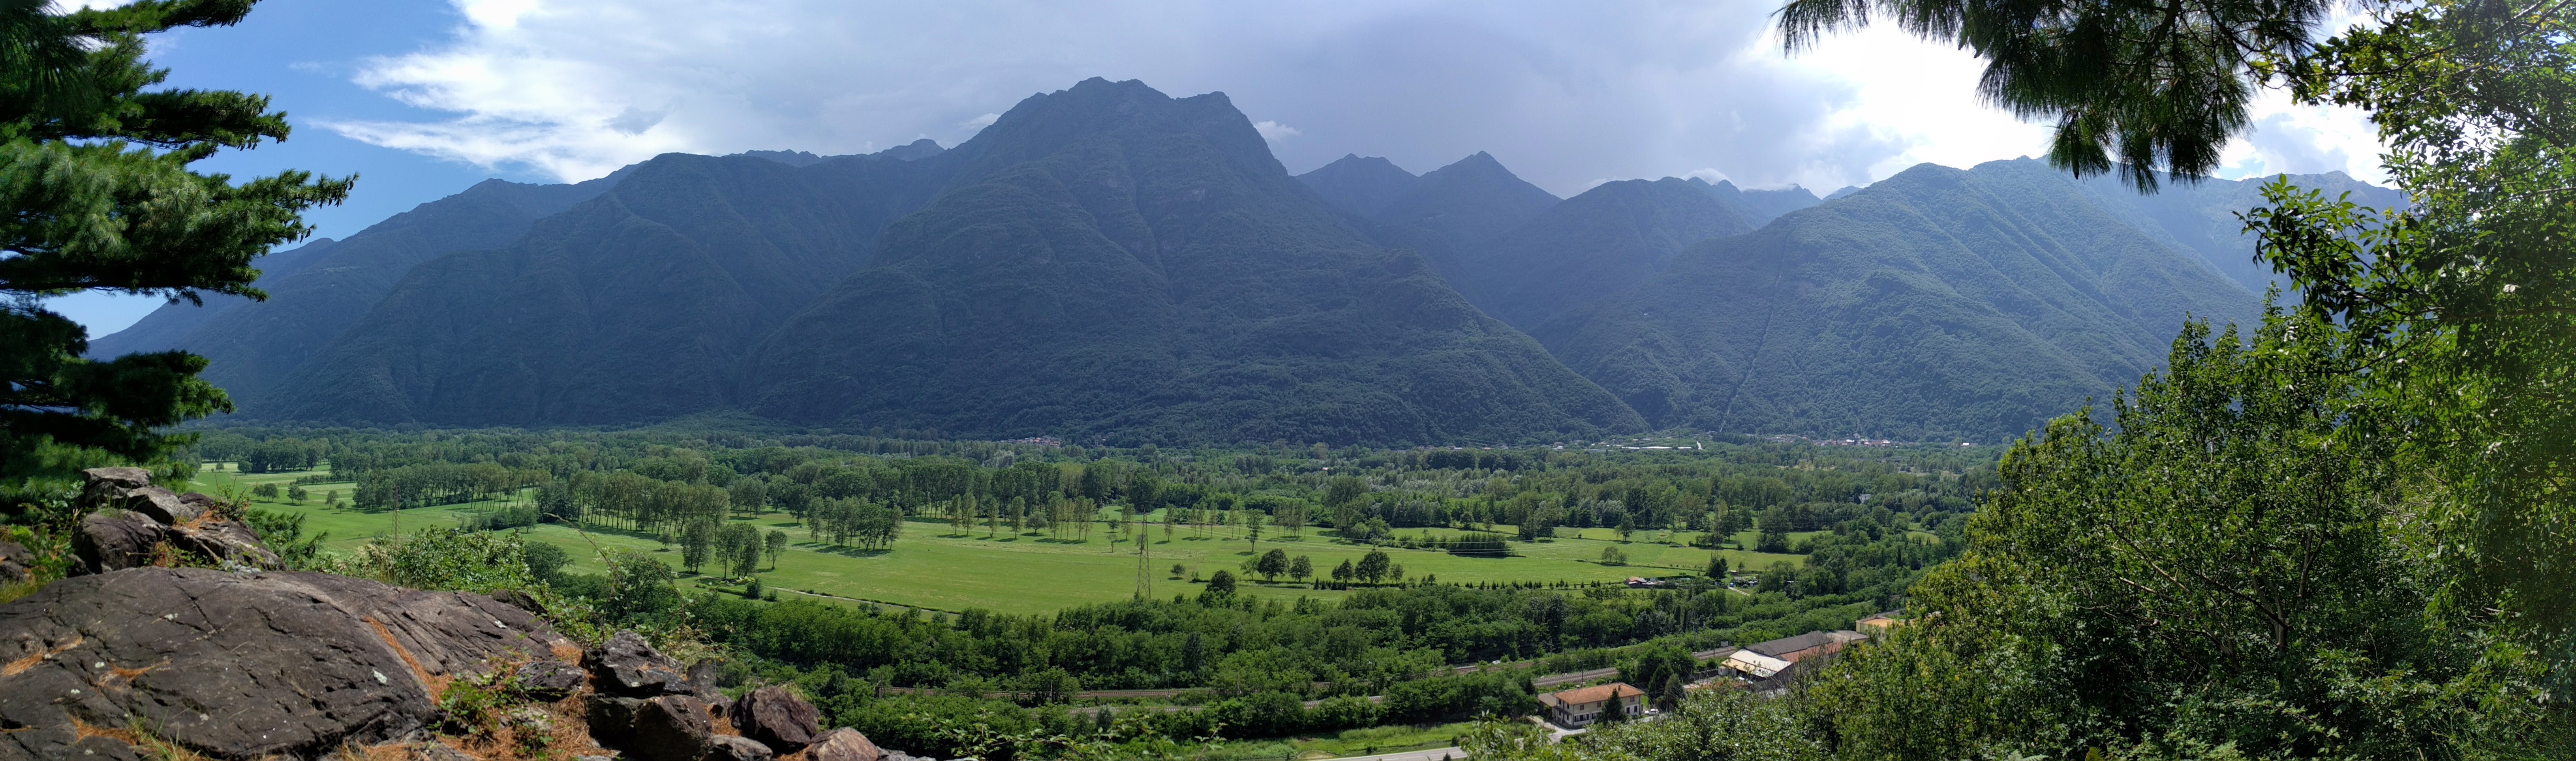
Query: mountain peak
x=1045, y=123
x=1362, y=185
x=914, y=151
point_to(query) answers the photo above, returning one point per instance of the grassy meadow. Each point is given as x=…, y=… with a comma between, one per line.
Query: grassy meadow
x=936, y=567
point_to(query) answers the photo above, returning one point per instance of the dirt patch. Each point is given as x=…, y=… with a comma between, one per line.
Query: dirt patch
x=437, y=684
x=21, y=665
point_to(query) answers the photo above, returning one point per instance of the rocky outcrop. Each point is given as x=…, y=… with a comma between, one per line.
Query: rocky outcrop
x=729, y=748
x=109, y=485
x=627, y=665
x=239, y=665
x=844, y=744
x=17, y=563
x=549, y=681
x=112, y=542
x=162, y=505
x=665, y=728
x=225, y=542
x=129, y=519
x=777, y=718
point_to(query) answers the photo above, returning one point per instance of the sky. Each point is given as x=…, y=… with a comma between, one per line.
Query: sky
x=422, y=98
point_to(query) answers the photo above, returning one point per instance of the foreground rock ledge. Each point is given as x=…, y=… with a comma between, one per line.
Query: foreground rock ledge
x=239, y=666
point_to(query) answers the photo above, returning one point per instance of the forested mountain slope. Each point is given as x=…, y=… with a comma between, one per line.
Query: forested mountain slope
x=1759, y=206
x=319, y=289
x=1114, y=261
x=1595, y=244
x=1939, y=303
x=1452, y=212
x=1102, y=260
x=2201, y=218
x=636, y=305
x=1108, y=261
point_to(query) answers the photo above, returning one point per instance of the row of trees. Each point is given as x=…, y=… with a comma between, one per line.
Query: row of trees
x=1372, y=568
x=737, y=548
x=439, y=483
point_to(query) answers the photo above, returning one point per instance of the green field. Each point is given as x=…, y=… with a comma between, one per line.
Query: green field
x=934, y=567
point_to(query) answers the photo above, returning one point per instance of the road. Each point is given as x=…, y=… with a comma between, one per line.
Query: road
x=1542, y=682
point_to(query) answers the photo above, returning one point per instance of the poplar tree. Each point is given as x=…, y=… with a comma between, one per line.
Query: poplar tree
x=95, y=169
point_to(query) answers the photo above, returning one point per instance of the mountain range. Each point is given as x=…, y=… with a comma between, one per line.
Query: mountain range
x=1109, y=262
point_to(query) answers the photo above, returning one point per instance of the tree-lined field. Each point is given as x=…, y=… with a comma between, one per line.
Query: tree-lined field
x=935, y=567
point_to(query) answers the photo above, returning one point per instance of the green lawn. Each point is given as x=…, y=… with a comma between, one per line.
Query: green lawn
x=1376, y=740
x=934, y=567
x=1354, y=742
x=347, y=527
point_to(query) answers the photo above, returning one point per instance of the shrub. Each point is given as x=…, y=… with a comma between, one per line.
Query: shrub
x=1345, y=712
x=1264, y=714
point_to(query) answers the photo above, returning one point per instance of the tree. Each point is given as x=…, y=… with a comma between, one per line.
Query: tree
x=101, y=198
x=1343, y=573
x=1301, y=568
x=1179, y=570
x=1221, y=583
x=1717, y=567
x=1663, y=672
x=1343, y=490
x=2163, y=84
x=2465, y=299
x=697, y=539
x=777, y=545
x=749, y=494
x=1373, y=566
x=742, y=545
x=1272, y=564
x=2232, y=539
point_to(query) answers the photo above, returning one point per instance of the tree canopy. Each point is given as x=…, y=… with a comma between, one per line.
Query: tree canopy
x=95, y=172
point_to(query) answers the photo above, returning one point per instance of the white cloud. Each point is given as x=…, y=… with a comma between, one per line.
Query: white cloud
x=1562, y=93
x=1274, y=131
x=2303, y=140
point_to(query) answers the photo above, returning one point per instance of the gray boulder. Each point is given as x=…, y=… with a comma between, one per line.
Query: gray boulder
x=629, y=666
x=107, y=487
x=845, y=744
x=239, y=665
x=703, y=678
x=17, y=563
x=549, y=680
x=161, y=505
x=227, y=542
x=666, y=728
x=129, y=478
x=777, y=718
x=729, y=748
x=109, y=542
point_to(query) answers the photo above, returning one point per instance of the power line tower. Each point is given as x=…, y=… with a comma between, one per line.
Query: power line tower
x=1144, y=570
